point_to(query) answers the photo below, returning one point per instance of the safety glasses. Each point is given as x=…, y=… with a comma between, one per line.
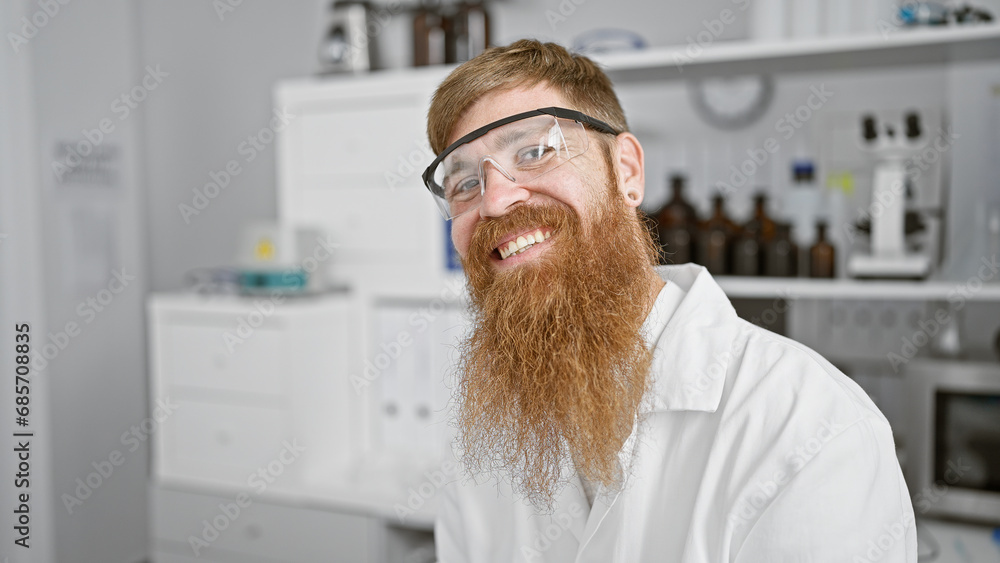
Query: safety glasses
x=522, y=147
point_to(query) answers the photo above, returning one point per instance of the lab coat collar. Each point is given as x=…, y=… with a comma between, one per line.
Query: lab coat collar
x=693, y=351
x=691, y=355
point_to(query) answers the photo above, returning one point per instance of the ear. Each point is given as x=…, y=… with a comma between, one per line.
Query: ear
x=631, y=169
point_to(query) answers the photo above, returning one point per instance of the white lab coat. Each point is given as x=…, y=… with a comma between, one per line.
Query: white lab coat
x=749, y=448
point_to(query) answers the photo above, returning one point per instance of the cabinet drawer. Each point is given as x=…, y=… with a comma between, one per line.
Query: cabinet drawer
x=199, y=356
x=222, y=442
x=265, y=530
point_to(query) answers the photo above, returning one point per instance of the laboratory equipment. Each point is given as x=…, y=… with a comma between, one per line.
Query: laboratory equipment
x=716, y=237
x=953, y=438
x=822, y=255
x=277, y=258
x=349, y=46
x=889, y=256
x=677, y=225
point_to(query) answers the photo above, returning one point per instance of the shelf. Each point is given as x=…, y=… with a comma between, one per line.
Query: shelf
x=740, y=287
x=897, y=48
x=807, y=288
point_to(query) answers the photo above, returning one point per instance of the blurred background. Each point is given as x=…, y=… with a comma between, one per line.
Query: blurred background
x=229, y=306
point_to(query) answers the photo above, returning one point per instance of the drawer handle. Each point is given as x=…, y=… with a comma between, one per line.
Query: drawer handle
x=222, y=437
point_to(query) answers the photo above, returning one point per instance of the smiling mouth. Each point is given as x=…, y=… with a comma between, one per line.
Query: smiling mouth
x=522, y=243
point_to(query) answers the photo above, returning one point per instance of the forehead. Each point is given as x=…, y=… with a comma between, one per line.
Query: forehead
x=500, y=104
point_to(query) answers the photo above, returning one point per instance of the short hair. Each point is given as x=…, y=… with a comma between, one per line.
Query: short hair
x=524, y=63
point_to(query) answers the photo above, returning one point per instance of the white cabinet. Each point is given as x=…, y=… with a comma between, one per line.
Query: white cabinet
x=259, y=413
x=214, y=528
x=202, y=359
x=252, y=378
x=350, y=162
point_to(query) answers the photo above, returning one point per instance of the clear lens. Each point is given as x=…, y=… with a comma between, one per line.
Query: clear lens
x=521, y=151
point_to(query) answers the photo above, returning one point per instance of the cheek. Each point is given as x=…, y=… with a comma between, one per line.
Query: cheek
x=584, y=194
x=461, y=235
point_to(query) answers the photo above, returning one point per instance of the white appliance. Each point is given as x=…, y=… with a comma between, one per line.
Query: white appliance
x=953, y=439
x=888, y=256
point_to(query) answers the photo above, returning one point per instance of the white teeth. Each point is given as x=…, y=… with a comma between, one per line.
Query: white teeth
x=522, y=243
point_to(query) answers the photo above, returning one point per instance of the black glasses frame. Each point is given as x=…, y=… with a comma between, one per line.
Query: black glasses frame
x=563, y=113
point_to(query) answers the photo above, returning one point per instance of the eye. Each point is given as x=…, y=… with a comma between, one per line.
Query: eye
x=534, y=155
x=464, y=189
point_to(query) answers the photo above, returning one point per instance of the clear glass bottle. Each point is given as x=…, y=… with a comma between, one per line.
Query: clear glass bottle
x=803, y=201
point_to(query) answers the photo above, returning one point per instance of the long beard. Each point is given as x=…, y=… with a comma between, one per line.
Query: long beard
x=555, y=366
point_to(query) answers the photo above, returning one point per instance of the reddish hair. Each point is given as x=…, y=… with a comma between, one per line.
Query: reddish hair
x=524, y=63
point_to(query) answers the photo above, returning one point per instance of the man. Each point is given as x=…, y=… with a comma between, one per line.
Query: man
x=606, y=412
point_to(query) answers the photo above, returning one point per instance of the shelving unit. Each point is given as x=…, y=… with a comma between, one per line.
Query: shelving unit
x=807, y=288
x=899, y=47
x=896, y=48
x=745, y=287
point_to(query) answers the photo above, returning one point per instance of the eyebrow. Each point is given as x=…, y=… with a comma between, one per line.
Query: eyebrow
x=510, y=137
x=503, y=140
x=456, y=166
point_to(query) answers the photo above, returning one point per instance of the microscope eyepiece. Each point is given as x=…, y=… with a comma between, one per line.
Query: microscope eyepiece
x=868, y=128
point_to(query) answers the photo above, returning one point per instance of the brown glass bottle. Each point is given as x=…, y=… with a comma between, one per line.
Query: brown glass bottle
x=756, y=235
x=468, y=32
x=716, y=236
x=822, y=255
x=781, y=255
x=677, y=225
x=428, y=35
x=761, y=223
x=746, y=254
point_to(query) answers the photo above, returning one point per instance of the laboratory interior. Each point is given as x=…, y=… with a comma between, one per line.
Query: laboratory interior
x=231, y=309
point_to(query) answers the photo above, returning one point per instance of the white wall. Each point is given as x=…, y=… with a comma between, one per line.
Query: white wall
x=975, y=107
x=219, y=94
x=83, y=58
x=21, y=291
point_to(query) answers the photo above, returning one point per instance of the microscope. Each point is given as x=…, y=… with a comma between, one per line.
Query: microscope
x=888, y=222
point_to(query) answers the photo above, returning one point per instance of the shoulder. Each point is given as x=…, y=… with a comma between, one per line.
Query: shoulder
x=782, y=386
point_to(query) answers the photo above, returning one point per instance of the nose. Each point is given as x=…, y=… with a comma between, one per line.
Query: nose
x=499, y=189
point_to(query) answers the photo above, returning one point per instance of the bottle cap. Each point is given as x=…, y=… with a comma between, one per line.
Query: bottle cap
x=803, y=170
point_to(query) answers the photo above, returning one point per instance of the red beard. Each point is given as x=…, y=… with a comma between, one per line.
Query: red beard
x=556, y=365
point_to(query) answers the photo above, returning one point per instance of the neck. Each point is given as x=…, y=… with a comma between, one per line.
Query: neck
x=655, y=284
